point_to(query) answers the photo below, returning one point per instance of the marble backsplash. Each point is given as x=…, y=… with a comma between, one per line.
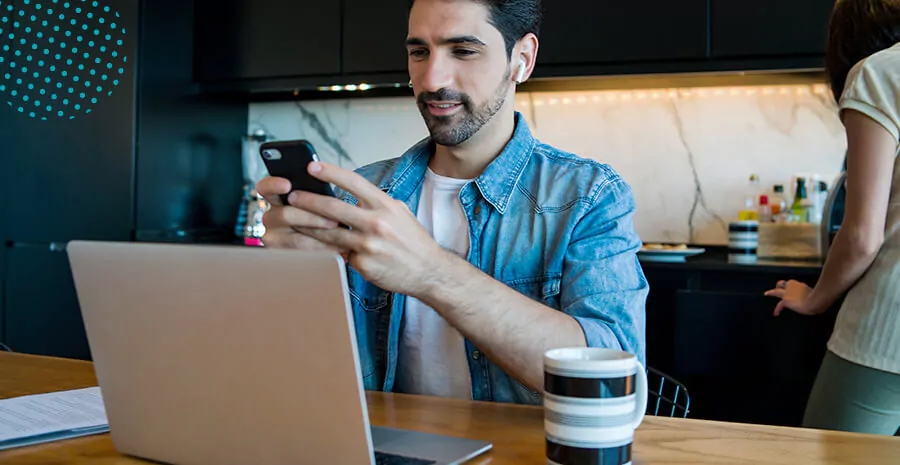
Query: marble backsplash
x=686, y=152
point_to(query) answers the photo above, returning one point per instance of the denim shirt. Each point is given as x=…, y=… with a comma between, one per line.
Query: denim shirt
x=548, y=224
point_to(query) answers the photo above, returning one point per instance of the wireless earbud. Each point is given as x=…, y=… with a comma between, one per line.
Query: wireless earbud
x=521, y=73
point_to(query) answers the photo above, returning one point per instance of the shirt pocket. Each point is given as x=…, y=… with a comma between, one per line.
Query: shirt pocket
x=544, y=289
x=365, y=295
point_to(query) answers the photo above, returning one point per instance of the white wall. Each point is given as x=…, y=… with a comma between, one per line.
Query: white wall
x=687, y=153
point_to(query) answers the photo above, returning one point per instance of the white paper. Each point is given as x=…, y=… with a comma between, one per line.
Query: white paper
x=70, y=413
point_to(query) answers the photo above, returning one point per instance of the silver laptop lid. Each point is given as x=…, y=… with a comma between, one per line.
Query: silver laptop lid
x=224, y=355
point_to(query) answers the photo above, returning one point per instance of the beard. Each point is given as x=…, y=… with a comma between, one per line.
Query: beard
x=453, y=130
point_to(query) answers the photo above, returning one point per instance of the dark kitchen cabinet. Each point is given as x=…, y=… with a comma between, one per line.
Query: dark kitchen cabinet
x=769, y=27
x=189, y=182
x=3, y=252
x=2, y=294
x=3, y=307
x=4, y=194
x=710, y=327
x=592, y=31
x=65, y=162
x=5, y=53
x=244, y=39
x=375, y=36
x=294, y=47
x=42, y=313
x=742, y=364
x=152, y=160
x=71, y=178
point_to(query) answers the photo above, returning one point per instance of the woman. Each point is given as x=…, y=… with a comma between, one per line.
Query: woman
x=858, y=385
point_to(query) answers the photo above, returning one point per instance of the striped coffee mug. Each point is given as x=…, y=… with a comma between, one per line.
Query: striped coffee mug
x=594, y=400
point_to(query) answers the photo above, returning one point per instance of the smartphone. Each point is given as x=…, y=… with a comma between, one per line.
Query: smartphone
x=289, y=160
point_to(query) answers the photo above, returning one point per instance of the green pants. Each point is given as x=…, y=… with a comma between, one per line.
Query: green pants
x=851, y=397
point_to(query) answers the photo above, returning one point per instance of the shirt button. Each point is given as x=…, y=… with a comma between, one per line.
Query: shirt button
x=476, y=355
x=477, y=209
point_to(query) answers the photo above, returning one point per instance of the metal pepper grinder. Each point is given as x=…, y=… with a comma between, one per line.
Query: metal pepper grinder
x=254, y=229
x=249, y=225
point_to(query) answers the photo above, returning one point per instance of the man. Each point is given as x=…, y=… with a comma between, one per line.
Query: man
x=480, y=248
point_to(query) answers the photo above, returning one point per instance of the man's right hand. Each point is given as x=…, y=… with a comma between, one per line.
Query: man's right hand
x=282, y=222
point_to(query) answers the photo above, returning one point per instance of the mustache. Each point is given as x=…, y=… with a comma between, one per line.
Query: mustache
x=444, y=95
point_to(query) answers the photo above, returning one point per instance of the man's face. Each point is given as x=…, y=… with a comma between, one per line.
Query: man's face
x=459, y=67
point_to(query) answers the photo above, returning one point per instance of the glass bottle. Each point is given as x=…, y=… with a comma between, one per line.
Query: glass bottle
x=748, y=211
x=764, y=212
x=800, y=210
x=777, y=200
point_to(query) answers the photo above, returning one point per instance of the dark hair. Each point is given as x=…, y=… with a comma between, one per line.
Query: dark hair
x=513, y=18
x=858, y=29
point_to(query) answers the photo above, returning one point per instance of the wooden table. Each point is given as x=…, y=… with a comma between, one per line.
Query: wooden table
x=516, y=431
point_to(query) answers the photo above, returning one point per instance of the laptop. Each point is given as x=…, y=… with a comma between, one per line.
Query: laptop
x=234, y=355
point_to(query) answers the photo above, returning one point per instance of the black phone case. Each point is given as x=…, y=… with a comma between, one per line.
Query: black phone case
x=296, y=155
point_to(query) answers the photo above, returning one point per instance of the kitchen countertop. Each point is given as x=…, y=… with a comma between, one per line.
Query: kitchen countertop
x=716, y=259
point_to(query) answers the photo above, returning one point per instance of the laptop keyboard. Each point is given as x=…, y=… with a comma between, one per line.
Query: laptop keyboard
x=382, y=458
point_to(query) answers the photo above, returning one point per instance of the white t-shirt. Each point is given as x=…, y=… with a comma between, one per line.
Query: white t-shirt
x=432, y=358
x=867, y=331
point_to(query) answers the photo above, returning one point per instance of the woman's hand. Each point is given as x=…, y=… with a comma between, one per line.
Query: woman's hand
x=794, y=296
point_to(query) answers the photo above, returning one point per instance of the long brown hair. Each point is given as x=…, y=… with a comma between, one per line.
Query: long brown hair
x=858, y=29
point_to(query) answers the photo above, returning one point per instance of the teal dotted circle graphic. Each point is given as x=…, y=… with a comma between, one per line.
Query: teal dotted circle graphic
x=59, y=58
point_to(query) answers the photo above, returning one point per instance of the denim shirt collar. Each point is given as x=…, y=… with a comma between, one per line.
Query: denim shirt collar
x=496, y=183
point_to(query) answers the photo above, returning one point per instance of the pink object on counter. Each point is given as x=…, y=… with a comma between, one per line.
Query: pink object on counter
x=253, y=241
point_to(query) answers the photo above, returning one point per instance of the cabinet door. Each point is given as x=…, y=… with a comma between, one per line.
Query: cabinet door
x=740, y=363
x=375, y=36
x=42, y=313
x=769, y=27
x=4, y=156
x=189, y=180
x=603, y=31
x=70, y=178
x=244, y=39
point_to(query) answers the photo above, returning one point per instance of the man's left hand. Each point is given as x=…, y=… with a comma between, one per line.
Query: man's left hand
x=387, y=244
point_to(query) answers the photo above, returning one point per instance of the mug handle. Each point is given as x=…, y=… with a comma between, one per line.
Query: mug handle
x=641, y=391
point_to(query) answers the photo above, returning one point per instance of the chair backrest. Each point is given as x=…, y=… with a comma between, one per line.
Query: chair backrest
x=666, y=396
